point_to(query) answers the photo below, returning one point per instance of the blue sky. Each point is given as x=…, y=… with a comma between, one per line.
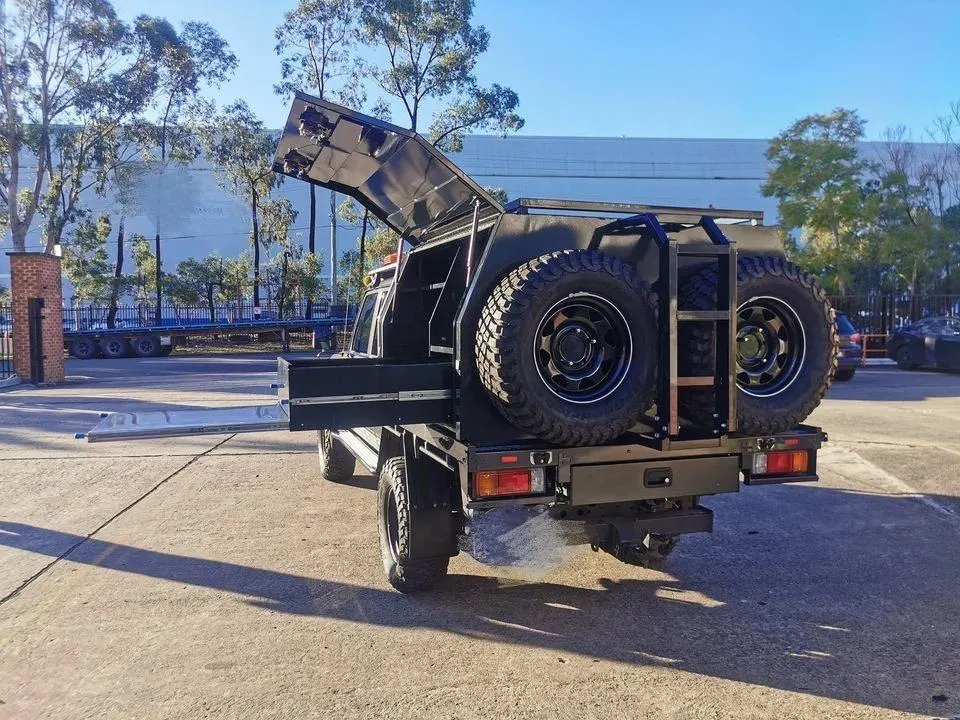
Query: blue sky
x=677, y=68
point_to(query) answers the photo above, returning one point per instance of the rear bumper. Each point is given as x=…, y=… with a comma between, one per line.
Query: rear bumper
x=606, y=475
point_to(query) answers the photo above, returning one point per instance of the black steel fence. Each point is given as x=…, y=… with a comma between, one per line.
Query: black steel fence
x=6, y=342
x=884, y=313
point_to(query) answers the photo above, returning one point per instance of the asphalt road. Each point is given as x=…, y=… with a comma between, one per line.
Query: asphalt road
x=219, y=577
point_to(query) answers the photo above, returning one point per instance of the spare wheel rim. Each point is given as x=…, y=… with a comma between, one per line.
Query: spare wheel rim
x=583, y=348
x=770, y=345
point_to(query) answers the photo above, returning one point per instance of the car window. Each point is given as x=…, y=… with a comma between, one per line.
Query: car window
x=844, y=326
x=951, y=326
x=361, y=332
x=931, y=327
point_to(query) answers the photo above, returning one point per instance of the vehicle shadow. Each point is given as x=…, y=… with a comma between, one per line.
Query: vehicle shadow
x=846, y=595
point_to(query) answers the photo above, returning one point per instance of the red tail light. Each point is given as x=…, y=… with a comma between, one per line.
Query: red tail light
x=781, y=462
x=855, y=338
x=493, y=483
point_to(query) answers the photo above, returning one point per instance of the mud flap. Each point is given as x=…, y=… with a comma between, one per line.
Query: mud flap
x=433, y=531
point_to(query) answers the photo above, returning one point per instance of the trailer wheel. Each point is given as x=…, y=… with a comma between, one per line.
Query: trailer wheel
x=844, y=375
x=394, y=523
x=146, y=346
x=84, y=348
x=115, y=347
x=786, y=345
x=565, y=347
x=337, y=464
x=165, y=350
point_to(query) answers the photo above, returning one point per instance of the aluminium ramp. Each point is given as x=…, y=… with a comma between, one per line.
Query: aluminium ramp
x=188, y=422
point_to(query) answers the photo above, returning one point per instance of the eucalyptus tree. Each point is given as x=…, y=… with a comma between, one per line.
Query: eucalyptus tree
x=317, y=43
x=241, y=151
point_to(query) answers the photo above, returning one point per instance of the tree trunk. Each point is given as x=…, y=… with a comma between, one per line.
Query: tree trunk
x=312, y=239
x=841, y=284
x=159, y=280
x=256, y=258
x=210, y=306
x=282, y=292
x=117, y=275
x=333, y=248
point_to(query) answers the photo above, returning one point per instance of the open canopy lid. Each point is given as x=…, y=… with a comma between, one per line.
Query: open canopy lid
x=394, y=173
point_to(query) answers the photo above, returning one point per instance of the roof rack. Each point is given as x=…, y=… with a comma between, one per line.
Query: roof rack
x=667, y=213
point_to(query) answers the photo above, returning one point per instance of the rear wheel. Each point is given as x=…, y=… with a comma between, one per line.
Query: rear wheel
x=786, y=345
x=394, y=523
x=115, y=347
x=906, y=359
x=846, y=374
x=84, y=348
x=565, y=347
x=146, y=346
x=337, y=464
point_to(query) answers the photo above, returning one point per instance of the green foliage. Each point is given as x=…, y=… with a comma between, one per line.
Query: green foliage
x=316, y=42
x=428, y=52
x=482, y=109
x=816, y=176
x=241, y=150
x=85, y=260
x=235, y=279
x=866, y=226
x=143, y=282
x=276, y=218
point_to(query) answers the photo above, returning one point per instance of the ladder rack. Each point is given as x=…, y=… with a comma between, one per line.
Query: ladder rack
x=723, y=317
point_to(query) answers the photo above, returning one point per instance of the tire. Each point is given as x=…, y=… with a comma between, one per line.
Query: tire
x=844, y=375
x=905, y=359
x=337, y=464
x=146, y=346
x=394, y=524
x=786, y=351
x=552, y=382
x=84, y=348
x=165, y=350
x=115, y=347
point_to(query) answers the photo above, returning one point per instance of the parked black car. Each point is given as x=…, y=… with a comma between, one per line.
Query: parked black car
x=931, y=342
x=850, y=350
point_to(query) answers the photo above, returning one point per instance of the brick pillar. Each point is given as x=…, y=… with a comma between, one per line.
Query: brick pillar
x=37, y=275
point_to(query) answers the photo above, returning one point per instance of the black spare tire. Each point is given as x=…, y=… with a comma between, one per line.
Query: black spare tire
x=566, y=347
x=786, y=345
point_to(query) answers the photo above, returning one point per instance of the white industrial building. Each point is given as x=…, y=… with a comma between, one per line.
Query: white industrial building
x=195, y=215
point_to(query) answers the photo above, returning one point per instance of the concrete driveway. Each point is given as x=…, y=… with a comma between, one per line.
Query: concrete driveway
x=219, y=577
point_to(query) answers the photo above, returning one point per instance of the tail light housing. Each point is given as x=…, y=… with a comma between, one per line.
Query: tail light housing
x=855, y=338
x=515, y=481
x=781, y=462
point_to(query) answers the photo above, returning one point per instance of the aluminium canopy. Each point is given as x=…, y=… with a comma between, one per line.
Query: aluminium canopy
x=394, y=173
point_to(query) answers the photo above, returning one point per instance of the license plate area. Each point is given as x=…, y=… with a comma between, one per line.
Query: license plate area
x=625, y=482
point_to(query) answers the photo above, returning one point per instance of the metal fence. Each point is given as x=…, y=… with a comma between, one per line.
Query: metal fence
x=882, y=314
x=6, y=342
